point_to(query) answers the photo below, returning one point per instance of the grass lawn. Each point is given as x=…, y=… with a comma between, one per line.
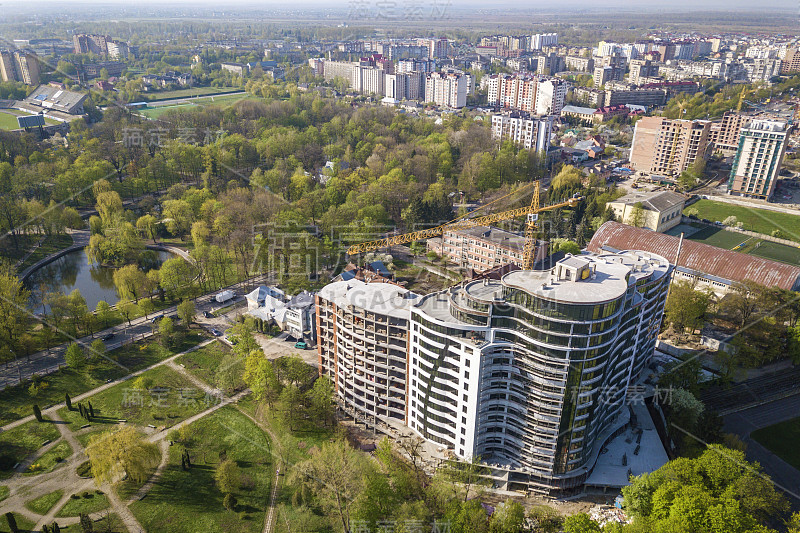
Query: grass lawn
x=20, y=442
x=16, y=250
x=50, y=245
x=193, y=91
x=754, y=219
x=103, y=525
x=16, y=401
x=22, y=523
x=86, y=502
x=204, y=362
x=51, y=459
x=8, y=121
x=777, y=252
x=719, y=237
x=781, y=439
x=189, y=501
x=4, y=492
x=204, y=101
x=169, y=398
x=42, y=504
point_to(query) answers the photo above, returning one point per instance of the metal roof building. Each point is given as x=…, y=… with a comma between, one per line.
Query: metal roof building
x=716, y=267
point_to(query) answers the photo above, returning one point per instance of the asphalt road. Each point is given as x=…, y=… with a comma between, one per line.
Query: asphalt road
x=744, y=422
x=43, y=363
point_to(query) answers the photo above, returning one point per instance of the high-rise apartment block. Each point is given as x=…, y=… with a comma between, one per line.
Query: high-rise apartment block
x=642, y=68
x=437, y=48
x=86, y=43
x=666, y=146
x=529, y=132
x=535, y=94
x=762, y=144
x=605, y=74
x=724, y=134
x=529, y=372
x=19, y=65
x=543, y=40
x=791, y=61
x=448, y=89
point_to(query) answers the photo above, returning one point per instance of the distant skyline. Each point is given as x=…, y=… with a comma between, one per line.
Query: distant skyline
x=465, y=5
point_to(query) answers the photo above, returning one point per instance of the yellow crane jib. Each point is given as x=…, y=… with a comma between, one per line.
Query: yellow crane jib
x=485, y=220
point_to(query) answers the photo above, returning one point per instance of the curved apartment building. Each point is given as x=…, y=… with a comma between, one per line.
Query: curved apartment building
x=531, y=372
x=362, y=342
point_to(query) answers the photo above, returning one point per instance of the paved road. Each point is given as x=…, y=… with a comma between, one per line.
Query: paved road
x=747, y=421
x=43, y=363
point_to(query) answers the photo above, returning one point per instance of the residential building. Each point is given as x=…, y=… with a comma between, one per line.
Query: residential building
x=582, y=64
x=666, y=146
x=19, y=65
x=762, y=69
x=585, y=115
x=416, y=65
x=660, y=211
x=117, y=49
x=530, y=132
x=543, y=40
x=589, y=96
x=724, y=134
x=605, y=74
x=539, y=95
x=448, y=89
x=294, y=315
x=240, y=69
x=84, y=43
x=95, y=70
x=619, y=93
x=437, y=48
x=483, y=247
x=362, y=344
x=708, y=266
x=762, y=145
x=530, y=372
x=642, y=68
x=791, y=61
x=549, y=64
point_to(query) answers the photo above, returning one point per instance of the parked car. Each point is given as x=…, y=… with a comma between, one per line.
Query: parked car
x=156, y=319
x=206, y=314
x=107, y=337
x=300, y=345
x=216, y=332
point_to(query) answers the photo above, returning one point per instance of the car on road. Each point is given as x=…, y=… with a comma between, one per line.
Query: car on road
x=107, y=337
x=216, y=332
x=156, y=319
x=206, y=314
x=300, y=345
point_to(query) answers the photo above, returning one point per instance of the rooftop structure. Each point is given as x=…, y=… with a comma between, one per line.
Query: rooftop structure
x=53, y=98
x=714, y=267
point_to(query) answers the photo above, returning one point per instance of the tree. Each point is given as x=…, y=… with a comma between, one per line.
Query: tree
x=229, y=502
x=147, y=224
x=68, y=401
x=121, y=452
x=74, y=356
x=743, y=300
x=186, y=312
x=637, y=216
x=322, y=400
x=730, y=220
x=545, y=519
x=103, y=313
x=335, y=476
x=227, y=376
x=166, y=329
x=127, y=309
x=580, y=523
x=97, y=349
x=37, y=412
x=260, y=377
x=130, y=282
x=686, y=307
x=228, y=476
x=508, y=517
x=177, y=277
x=13, y=311
x=87, y=526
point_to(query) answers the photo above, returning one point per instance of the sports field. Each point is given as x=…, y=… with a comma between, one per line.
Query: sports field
x=193, y=91
x=731, y=240
x=753, y=219
x=8, y=119
x=154, y=110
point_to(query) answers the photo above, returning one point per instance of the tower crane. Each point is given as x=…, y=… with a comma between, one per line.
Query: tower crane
x=531, y=212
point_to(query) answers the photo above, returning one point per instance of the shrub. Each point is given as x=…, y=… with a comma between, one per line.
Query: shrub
x=229, y=502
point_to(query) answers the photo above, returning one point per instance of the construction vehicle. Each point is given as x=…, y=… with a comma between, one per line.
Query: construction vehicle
x=531, y=212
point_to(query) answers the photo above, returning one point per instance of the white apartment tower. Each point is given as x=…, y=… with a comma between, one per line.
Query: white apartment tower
x=762, y=145
x=447, y=89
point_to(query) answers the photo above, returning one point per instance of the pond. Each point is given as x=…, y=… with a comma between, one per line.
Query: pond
x=74, y=271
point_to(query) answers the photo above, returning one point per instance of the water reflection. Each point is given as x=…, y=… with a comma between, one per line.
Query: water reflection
x=74, y=271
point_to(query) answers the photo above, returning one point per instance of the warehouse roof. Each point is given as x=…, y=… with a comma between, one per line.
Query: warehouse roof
x=697, y=257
